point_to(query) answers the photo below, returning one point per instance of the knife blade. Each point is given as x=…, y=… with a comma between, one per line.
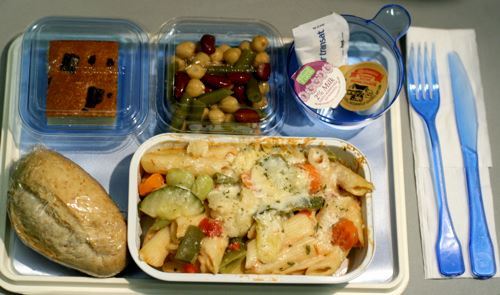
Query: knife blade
x=481, y=252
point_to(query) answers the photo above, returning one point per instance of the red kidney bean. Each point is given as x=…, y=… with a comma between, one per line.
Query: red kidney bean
x=246, y=116
x=263, y=71
x=239, y=78
x=216, y=81
x=207, y=44
x=180, y=83
x=239, y=91
x=208, y=89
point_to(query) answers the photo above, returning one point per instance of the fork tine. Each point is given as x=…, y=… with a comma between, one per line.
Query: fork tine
x=411, y=71
x=434, y=74
x=420, y=74
x=427, y=75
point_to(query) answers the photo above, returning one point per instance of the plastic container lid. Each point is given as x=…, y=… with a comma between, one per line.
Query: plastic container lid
x=226, y=31
x=71, y=83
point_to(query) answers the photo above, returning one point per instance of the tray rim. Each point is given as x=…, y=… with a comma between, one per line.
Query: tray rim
x=13, y=282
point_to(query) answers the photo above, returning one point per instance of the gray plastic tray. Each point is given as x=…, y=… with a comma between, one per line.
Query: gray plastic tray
x=22, y=270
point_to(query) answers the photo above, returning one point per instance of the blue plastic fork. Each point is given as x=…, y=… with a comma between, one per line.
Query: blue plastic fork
x=423, y=92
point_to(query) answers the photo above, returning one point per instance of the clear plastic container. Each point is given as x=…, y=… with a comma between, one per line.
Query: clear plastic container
x=231, y=32
x=370, y=40
x=127, y=79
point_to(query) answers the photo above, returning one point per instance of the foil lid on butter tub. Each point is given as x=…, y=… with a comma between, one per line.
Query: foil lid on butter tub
x=366, y=84
x=320, y=85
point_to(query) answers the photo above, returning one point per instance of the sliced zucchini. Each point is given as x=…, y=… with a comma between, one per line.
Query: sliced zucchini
x=170, y=203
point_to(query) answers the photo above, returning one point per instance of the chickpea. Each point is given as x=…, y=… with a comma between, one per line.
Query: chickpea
x=224, y=47
x=216, y=116
x=195, y=71
x=263, y=88
x=259, y=43
x=261, y=58
x=217, y=56
x=185, y=50
x=228, y=118
x=262, y=104
x=201, y=58
x=179, y=63
x=244, y=45
x=229, y=104
x=232, y=55
x=195, y=88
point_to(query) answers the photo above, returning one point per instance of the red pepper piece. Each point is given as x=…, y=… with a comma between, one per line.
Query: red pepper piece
x=210, y=227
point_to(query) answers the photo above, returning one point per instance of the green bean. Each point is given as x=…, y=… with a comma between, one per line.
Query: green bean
x=306, y=203
x=189, y=246
x=246, y=58
x=180, y=113
x=203, y=184
x=224, y=179
x=225, y=69
x=297, y=204
x=179, y=177
x=160, y=223
x=232, y=260
x=235, y=267
x=214, y=96
x=252, y=91
x=197, y=108
x=235, y=127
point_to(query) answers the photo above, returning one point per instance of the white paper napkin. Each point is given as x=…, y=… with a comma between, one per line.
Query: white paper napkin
x=464, y=43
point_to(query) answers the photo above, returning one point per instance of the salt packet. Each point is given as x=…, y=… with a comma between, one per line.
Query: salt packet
x=324, y=39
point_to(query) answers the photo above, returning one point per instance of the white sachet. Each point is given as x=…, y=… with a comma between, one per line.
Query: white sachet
x=325, y=39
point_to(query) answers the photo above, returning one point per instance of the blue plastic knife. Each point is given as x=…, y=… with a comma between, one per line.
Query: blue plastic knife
x=481, y=252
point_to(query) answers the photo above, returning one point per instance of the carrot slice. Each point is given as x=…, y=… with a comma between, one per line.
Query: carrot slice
x=246, y=179
x=151, y=183
x=315, y=184
x=345, y=234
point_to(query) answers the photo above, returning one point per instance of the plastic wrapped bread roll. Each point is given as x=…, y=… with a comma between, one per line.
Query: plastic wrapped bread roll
x=60, y=211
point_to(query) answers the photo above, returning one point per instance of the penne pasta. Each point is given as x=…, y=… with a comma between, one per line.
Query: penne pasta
x=211, y=253
x=298, y=227
x=350, y=181
x=261, y=208
x=287, y=258
x=327, y=265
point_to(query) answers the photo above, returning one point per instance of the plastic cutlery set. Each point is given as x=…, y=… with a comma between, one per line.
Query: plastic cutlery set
x=424, y=97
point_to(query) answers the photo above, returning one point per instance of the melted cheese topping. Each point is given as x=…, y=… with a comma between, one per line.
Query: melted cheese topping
x=268, y=185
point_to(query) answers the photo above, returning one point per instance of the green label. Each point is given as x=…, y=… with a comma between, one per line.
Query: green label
x=305, y=75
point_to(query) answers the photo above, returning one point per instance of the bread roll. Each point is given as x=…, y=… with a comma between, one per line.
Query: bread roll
x=60, y=211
